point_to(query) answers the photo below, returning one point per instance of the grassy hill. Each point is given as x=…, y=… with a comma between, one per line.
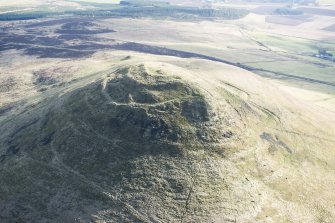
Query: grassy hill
x=155, y=142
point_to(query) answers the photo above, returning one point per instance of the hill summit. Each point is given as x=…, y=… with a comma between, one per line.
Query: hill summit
x=144, y=143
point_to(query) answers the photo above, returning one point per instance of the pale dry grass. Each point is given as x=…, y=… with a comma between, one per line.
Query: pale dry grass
x=291, y=184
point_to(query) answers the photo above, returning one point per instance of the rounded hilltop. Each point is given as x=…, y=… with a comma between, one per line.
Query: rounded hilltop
x=160, y=142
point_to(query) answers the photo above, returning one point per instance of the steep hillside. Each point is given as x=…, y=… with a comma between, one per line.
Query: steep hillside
x=160, y=142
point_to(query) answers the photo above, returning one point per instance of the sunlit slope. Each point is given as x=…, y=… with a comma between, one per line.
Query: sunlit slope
x=156, y=139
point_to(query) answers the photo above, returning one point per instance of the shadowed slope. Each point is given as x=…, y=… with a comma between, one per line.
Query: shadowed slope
x=129, y=142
